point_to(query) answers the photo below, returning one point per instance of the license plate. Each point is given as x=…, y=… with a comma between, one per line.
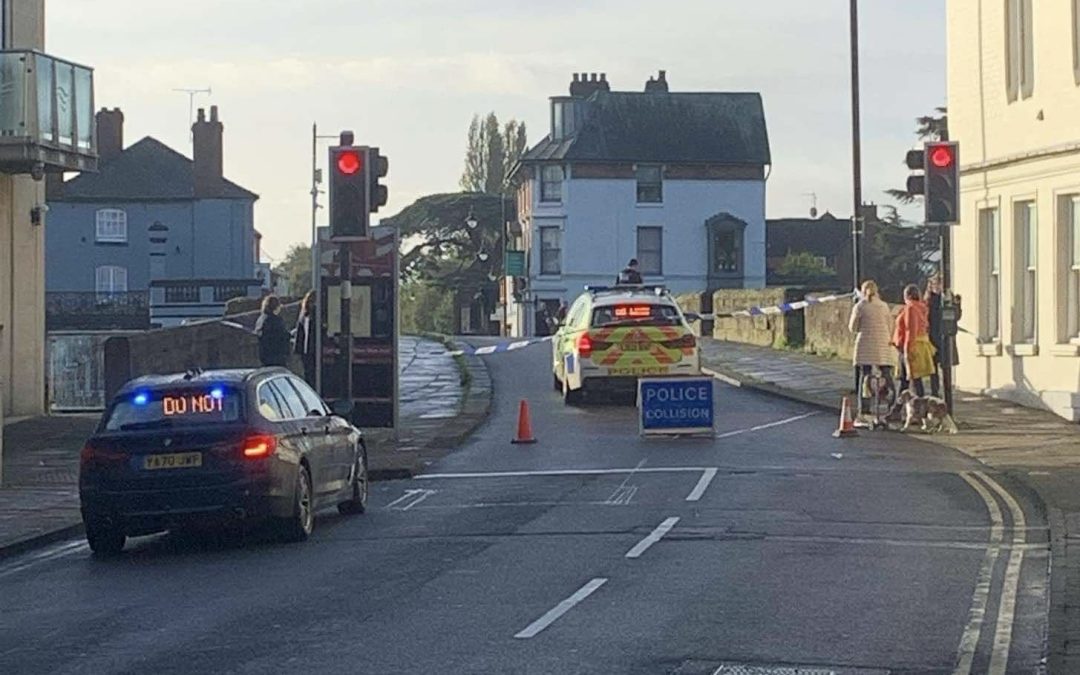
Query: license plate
x=176, y=460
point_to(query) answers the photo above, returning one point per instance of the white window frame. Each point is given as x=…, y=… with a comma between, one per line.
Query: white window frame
x=1069, y=224
x=110, y=226
x=1026, y=233
x=110, y=280
x=990, y=274
x=640, y=183
x=1019, y=49
x=550, y=254
x=551, y=188
x=643, y=254
x=1076, y=40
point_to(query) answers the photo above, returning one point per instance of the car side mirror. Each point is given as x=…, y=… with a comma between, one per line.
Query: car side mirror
x=342, y=408
x=691, y=317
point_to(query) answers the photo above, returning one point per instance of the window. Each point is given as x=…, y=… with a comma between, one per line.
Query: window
x=550, y=250
x=551, y=179
x=270, y=406
x=650, y=251
x=990, y=271
x=1019, y=35
x=727, y=251
x=176, y=295
x=226, y=292
x=111, y=226
x=650, y=185
x=1076, y=39
x=577, y=312
x=291, y=403
x=110, y=280
x=1026, y=257
x=1070, y=221
x=312, y=403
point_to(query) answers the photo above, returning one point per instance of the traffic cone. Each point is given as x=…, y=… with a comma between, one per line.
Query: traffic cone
x=847, y=425
x=524, y=426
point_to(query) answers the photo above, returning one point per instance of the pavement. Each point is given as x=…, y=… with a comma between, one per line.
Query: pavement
x=771, y=548
x=439, y=407
x=1034, y=447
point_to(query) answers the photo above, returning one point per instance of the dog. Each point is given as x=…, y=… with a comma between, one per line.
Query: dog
x=929, y=412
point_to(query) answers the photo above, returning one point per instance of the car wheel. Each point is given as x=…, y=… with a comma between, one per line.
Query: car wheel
x=358, y=502
x=556, y=383
x=299, y=525
x=571, y=396
x=105, y=542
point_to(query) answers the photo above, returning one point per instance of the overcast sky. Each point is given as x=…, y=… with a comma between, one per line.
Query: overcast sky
x=408, y=75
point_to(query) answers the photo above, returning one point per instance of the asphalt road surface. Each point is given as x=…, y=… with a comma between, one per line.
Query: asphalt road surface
x=594, y=551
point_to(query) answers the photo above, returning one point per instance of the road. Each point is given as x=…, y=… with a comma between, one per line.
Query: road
x=593, y=551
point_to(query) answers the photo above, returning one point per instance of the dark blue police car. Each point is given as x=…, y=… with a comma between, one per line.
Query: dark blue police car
x=217, y=446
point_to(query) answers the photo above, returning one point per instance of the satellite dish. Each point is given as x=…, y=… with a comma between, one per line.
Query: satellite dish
x=813, y=212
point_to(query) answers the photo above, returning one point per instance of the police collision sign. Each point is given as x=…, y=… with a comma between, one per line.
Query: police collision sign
x=676, y=405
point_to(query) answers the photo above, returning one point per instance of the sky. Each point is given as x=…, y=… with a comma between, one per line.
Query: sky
x=408, y=75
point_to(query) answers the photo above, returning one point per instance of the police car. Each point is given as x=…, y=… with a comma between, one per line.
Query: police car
x=614, y=335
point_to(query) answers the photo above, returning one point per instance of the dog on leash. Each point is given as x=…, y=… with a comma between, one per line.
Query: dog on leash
x=929, y=412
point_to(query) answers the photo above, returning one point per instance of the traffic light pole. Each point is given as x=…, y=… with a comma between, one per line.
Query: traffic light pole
x=947, y=339
x=856, y=153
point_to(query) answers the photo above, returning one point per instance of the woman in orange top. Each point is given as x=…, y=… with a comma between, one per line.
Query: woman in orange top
x=912, y=338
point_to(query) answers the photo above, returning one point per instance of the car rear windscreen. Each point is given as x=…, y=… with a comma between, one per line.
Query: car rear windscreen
x=630, y=313
x=149, y=409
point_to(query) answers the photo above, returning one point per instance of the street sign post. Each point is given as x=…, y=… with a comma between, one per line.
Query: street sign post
x=676, y=406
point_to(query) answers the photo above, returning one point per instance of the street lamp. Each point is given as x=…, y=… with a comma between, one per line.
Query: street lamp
x=470, y=220
x=483, y=256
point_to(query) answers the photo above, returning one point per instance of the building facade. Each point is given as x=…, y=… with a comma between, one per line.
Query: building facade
x=675, y=180
x=46, y=125
x=1014, y=102
x=151, y=218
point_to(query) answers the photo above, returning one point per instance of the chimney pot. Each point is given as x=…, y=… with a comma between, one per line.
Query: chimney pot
x=603, y=77
x=110, y=133
x=208, y=168
x=213, y=113
x=663, y=75
x=202, y=115
x=592, y=77
x=576, y=77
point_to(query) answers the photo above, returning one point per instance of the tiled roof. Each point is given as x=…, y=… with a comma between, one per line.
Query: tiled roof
x=147, y=170
x=714, y=128
x=825, y=236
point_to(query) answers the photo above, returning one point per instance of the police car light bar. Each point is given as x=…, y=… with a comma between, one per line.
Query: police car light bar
x=655, y=288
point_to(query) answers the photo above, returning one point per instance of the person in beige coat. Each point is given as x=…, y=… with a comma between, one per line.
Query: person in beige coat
x=872, y=323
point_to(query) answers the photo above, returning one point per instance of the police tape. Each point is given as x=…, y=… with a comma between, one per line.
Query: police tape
x=469, y=350
x=782, y=308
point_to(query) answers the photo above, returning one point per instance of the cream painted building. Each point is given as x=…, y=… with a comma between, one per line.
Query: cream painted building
x=46, y=125
x=1014, y=107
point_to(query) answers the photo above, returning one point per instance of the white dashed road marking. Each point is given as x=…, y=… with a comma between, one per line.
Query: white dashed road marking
x=558, y=610
x=654, y=536
x=706, y=477
x=410, y=499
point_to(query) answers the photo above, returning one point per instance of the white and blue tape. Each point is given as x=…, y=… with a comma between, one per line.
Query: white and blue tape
x=468, y=350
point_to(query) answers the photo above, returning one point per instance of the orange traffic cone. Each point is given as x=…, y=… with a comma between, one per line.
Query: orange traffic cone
x=524, y=427
x=847, y=425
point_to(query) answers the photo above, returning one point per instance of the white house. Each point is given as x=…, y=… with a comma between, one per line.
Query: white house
x=675, y=180
x=1014, y=106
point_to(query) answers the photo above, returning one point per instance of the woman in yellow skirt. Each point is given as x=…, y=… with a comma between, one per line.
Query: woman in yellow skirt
x=912, y=338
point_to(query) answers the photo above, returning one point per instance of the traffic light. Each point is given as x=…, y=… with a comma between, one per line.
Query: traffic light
x=377, y=168
x=348, y=192
x=942, y=167
x=916, y=182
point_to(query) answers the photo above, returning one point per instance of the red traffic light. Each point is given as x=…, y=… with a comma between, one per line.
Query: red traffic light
x=349, y=162
x=941, y=157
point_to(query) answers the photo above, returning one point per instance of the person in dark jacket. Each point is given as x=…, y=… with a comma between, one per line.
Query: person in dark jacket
x=630, y=274
x=933, y=299
x=304, y=343
x=274, y=337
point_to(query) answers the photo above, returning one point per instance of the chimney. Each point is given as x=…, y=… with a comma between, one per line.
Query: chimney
x=585, y=84
x=657, y=85
x=110, y=134
x=208, y=155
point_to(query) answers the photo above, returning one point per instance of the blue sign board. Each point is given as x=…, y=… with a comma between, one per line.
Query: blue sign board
x=676, y=405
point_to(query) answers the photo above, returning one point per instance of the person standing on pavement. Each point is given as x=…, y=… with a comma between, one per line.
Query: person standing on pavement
x=871, y=321
x=629, y=274
x=304, y=342
x=274, y=337
x=934, y=300
x=912, y=338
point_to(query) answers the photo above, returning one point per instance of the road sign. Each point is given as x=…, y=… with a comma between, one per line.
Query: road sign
x=676, y=405
x=515, y=263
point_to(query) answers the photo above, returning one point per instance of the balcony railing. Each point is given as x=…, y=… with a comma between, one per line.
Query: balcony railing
x=97, y=311
x=46, y=114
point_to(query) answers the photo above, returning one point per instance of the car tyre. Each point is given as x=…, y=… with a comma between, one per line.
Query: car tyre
x=105, y=542
x=299, y=525
x=572, y=396
x=556, y=383
x=358, y=502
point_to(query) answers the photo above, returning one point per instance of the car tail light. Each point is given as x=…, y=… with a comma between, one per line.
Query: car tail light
x=687, y=341
x=259, y=446
x=93, y=455
x=584, y=346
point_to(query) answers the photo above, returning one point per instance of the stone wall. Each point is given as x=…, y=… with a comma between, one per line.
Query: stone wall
x=776, y=330
x=211, y=344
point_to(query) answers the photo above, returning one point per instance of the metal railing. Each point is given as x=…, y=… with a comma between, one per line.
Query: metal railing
x=97, y=310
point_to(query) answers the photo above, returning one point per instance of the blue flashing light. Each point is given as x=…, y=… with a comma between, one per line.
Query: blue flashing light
x=141, y=399
x=217, y=393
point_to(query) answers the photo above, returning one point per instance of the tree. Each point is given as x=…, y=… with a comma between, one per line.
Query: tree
x=296, y=269
x=805, y=266
x=899, y=253
x=491, y=153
